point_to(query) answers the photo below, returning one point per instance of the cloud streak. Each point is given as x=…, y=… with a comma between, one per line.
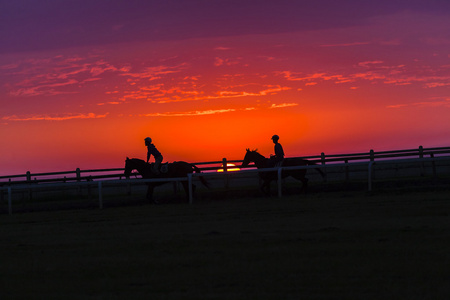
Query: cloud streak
x=214, y=111
x=65, y=117
x=377, y=72
x=55, y=75
x=440, y=102
x=346, y=44
x=192, y=91
x=154, y=73
x=283, y=105
x=190, y=113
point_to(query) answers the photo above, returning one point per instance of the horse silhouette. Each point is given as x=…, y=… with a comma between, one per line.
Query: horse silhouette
x=175, y=169
x=262, y=162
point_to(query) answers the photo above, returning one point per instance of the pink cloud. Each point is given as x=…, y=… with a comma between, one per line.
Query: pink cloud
x=190, y=113
x=9, y=67
x=346, y=44
x=367, y=64
x=153, y=73
x=376, y=72
x=45, y=89
x=64, y=117
x=50, y=76
x=445, y=102
x=222, y=48
x=436, y=84
x=213, y=111
x=282, y=105
x=218, y=61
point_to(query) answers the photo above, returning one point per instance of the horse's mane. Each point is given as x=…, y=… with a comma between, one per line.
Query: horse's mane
x=255, y=151
x=136, y=159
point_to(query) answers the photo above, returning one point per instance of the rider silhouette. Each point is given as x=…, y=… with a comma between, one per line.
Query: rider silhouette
x=277, y=159
x=151, y=150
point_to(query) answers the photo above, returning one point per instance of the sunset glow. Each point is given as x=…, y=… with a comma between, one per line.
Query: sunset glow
x=230, y=168
x=208, y=79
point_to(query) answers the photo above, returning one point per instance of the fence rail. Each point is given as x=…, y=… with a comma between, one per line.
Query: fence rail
x=367, y=161
x=98, y=184
x=117, y=173
x=370, y=165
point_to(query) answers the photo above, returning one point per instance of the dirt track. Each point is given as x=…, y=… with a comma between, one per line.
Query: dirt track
x=320, y=246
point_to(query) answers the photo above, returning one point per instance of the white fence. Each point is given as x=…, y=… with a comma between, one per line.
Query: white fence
x=98, y=184
x=117, y=173
x=370, y=167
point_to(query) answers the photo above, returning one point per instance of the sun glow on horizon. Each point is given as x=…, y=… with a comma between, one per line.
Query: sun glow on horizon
x=230, y=168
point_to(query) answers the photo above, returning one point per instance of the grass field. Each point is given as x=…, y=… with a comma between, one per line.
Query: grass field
x=324, y=245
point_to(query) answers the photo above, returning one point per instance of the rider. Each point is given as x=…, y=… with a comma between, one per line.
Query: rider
x=156, y=154
x=279, y=153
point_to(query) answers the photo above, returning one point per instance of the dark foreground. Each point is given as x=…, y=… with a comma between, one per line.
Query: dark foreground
x=320, y=246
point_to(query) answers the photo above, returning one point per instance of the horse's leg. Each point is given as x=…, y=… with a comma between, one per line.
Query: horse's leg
x=265, y=187
x=261, y=183
x=301, y=176
x=150, y=192
x=186, y=189
x=304, y=181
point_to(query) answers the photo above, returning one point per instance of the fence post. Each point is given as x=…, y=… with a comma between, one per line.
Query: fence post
x=347, y=177
x=372, y=155
x=370, y=171
x=279, y=182
x=225, y=171
x=78, y=172
x=322, y=158
x=9, y=200
x=100, y=195
x=89, y=190
x=30, y=194
x=422, y=168
x=224, y=165
x=433, y=164
x=78, y=175
x=190, y=188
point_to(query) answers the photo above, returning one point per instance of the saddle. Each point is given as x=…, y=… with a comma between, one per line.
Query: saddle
x=163, y=168
x=274, y=163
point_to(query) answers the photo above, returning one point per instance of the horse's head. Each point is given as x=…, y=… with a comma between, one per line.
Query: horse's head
x=128, y=168
x=134, y=164
x=250, y=156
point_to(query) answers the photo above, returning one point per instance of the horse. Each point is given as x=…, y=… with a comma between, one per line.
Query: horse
x=262, y=162
x=175, y=169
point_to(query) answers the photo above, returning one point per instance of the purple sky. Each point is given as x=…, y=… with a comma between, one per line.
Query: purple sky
x=45, y=25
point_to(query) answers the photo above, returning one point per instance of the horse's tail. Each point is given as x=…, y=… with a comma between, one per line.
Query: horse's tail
x=202, y=179
x=313, y=163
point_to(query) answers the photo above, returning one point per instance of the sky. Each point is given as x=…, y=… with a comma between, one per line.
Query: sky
x=82, y=83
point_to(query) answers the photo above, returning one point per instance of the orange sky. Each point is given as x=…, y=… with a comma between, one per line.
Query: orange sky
x=380, y=82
